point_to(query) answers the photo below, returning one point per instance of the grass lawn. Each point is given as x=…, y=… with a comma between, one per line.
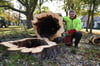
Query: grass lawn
x=14, y=32
x=15, y=58
x=11, y=29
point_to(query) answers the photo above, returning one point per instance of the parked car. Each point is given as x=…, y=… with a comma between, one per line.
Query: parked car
x=2, y=23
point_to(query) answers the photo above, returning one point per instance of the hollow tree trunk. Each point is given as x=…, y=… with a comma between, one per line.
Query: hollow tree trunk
x=48, y=27
x=40, y=48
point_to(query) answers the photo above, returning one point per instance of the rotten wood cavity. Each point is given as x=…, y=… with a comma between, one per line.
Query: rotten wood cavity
x=48, y=27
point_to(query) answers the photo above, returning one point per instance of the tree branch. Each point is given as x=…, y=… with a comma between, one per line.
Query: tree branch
x=34, y=5
x=22, y=2
x=9, y=7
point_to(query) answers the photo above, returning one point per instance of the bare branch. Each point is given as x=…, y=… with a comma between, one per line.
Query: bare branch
x=9, y=7
x=22, y=2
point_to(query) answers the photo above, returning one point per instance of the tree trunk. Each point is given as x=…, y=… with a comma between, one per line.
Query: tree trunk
x=40, y=48
x=65, y=9
x=88, y=21
x=40, y=5
x=92, y=17
x=51, y=53
x=29, y=20
x=48, y=27
x=66, y=12
x=89, y=15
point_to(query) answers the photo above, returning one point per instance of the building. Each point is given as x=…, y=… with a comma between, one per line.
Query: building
x=96, y=22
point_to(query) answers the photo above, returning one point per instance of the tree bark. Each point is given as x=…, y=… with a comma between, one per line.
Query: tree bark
x=95, y=40
x=65, y=8
x=29, y=21
x=48, y=27
x=40, y=48
x=92, y=17
x=88, y=21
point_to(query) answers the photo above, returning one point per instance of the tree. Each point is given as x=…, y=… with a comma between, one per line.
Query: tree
x=92, y=5
x=88, y=2
x=92, y=15
x=82, y=5
x=29, y=6
x=73, y=5
x=39, y=5
x=2, y=2
x=43, y=9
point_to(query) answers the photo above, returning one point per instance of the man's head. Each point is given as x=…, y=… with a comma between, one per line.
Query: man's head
x=72, y=14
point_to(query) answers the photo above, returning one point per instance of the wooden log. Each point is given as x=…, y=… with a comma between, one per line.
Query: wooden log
x=49, y=25
x=95, y=40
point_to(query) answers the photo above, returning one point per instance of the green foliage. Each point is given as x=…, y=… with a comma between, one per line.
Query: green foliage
x=80, y=6
x=87, y=4
x=44, y=9
x=73, y=4
x=97, y=14
x=5, y=2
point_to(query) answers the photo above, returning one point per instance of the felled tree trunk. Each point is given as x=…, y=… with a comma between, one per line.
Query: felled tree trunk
x=48, y=27
x=95, y=40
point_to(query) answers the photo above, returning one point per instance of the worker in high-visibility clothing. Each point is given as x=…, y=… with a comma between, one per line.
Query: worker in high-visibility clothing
x=73, y=26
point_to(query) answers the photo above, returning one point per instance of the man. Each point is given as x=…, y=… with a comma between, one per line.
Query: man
x=73, y=27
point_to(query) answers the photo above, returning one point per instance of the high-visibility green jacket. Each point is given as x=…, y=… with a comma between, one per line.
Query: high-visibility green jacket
x=73, y=23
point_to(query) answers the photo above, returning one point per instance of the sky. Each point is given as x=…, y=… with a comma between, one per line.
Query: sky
x=54, y=6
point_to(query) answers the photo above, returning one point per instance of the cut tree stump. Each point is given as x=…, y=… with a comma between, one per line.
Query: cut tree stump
x=48, y=27
x=40, y=48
